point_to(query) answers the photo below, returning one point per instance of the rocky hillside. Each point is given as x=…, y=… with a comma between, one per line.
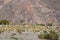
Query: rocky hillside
x=30, y=11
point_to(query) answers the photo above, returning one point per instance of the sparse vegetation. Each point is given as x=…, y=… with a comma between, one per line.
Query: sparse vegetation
x=52, y=35
x=45, y=33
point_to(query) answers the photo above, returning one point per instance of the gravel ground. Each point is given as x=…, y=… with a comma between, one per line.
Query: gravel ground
x=13, y=35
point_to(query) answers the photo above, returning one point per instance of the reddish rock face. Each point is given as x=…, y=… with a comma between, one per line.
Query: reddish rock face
x=31, y=11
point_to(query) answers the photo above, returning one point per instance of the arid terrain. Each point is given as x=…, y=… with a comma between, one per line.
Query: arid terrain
x=28, y=32
x=30, y=11
x=29, y=19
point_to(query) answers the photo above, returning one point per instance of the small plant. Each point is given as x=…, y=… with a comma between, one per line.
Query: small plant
x=22, y=21
x=50, y=24
x=1, y=30
x=45, y=32
x=19, y=30
x=41, y=24
x=41, y=36
x=44, y=36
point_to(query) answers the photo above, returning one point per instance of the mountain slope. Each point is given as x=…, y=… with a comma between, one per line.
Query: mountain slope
x=31, y=11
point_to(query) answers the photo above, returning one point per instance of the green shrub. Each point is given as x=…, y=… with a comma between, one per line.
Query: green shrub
x=4, y=22
x=46, y=36
x=43, y=36
x=53, y=35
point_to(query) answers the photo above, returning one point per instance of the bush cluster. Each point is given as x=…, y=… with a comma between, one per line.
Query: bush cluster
x=52, y=35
